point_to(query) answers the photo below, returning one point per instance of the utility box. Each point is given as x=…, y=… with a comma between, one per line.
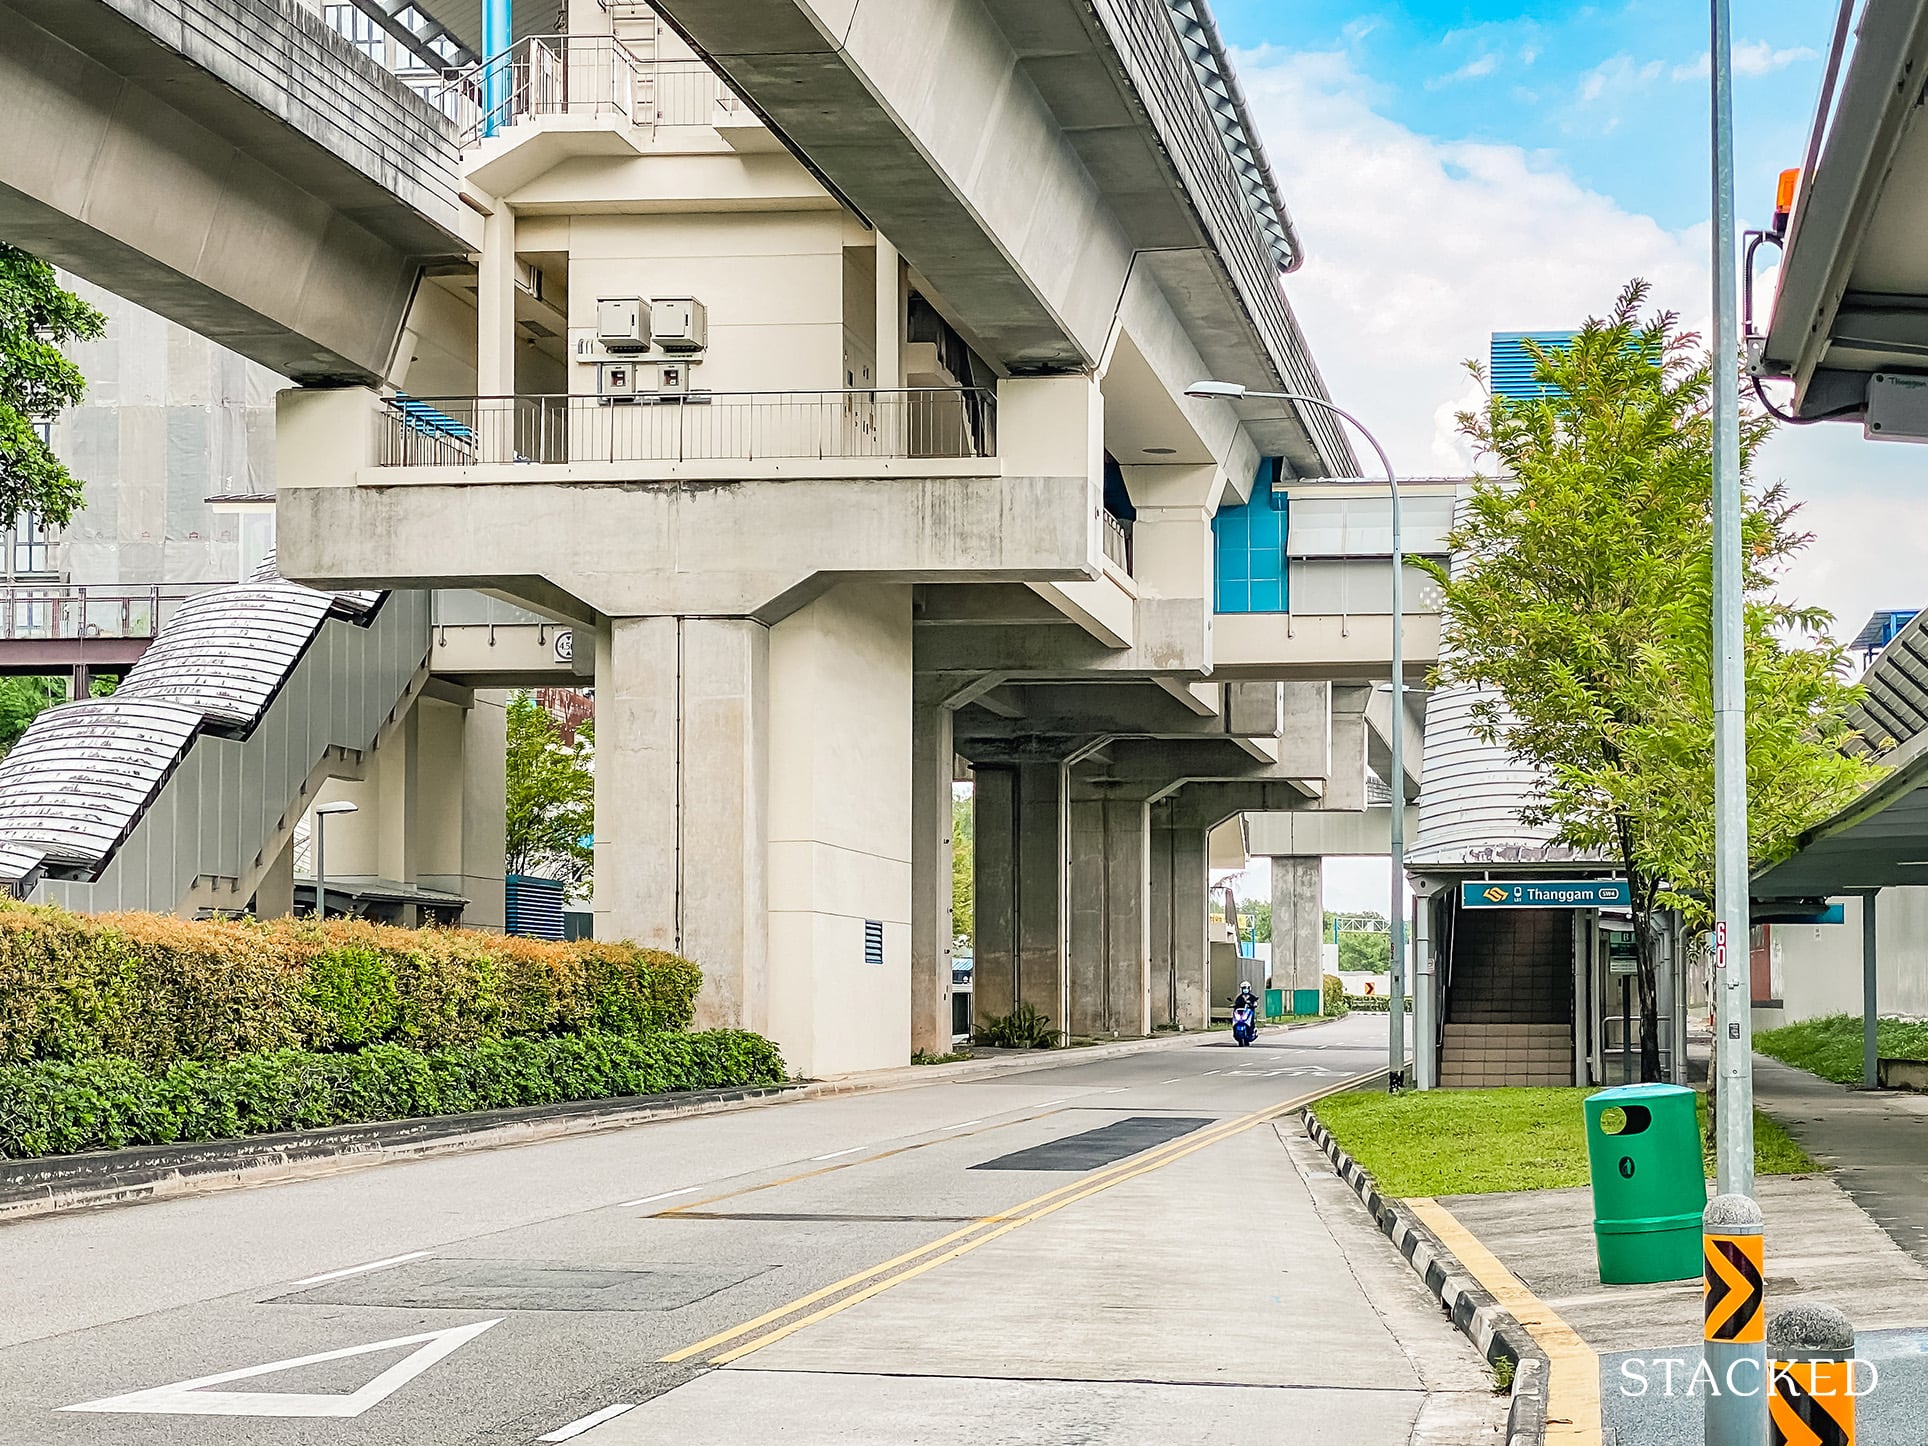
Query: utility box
x=622, y=326
x=616, y=381
x=1649, y=1186
x=679, y=324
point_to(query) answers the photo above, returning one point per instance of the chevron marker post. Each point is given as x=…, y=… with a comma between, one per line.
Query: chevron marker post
x=1736, y=1410
x=1811, y=1380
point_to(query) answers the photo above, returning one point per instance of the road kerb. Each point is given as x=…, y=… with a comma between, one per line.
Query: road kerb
x=1474, y=1309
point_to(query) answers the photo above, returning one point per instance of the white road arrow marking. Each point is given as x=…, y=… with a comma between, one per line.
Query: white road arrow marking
x=190, y=1398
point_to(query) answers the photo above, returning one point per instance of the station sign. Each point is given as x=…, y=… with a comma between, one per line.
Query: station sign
x=1545, y=894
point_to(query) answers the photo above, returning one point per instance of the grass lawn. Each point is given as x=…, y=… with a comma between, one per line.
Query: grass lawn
x=1474, y=1142
x=1831, y=1047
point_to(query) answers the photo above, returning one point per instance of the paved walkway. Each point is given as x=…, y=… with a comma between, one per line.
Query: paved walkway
x=1875, y=1142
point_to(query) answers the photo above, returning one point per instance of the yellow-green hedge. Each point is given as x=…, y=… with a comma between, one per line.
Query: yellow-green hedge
x=156, y=989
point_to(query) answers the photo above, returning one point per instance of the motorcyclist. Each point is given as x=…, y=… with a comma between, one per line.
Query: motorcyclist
x=1246, y=998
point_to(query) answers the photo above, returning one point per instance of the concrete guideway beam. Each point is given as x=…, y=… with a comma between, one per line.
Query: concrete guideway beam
x=240, y=170
x=1172, y=636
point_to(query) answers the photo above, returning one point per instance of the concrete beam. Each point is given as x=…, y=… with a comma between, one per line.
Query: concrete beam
x=1172, y=636
x=1324, y=832
x=241, y=170
x=1412, y=739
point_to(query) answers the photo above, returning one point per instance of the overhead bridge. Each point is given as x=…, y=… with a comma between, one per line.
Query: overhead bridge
x=234, y=165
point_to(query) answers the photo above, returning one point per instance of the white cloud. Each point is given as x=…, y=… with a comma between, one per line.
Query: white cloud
x=1751, y=57
x=1616, y=76
x=1472, y=70
x=1418, y=249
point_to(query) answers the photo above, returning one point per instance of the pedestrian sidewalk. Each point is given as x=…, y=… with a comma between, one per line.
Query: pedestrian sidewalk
x=1874, y=1141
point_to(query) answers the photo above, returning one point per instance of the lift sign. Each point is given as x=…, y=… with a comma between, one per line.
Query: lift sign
x=1545, y=894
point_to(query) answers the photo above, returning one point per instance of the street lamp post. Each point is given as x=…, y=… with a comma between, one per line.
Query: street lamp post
x=322, y=815
x=1396, y=913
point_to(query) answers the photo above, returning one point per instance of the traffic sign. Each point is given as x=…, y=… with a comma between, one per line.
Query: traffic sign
x=1545, y=894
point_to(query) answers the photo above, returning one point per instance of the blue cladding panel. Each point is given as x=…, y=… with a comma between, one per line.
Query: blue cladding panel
x=1511, y=368
x=1249, y=551
x=534, y=907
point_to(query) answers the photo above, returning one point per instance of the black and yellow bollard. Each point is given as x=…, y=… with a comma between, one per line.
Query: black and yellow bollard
x=1810, y=1383
x=1735, y=1321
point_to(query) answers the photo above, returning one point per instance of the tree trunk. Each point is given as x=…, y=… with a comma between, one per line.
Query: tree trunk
x=1640, y=895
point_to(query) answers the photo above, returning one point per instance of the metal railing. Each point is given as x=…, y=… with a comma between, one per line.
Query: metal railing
x=1117, y=542
x=935, y=422
x=544, y=75
x=38, y=612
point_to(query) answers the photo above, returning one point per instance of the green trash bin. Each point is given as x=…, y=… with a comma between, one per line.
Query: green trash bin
x=1649, y=1189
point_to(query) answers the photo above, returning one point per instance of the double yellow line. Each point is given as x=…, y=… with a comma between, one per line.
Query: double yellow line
x=772, y=1326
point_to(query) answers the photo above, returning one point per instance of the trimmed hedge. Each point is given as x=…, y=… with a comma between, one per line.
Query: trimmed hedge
x=153, y=990
x=58, y=1107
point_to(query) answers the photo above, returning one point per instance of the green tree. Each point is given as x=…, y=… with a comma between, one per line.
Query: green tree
x=963, y=867
x=551, y=812
x=1580, y=600
x=37, y=382
x=1360, y=950
x=21, y=701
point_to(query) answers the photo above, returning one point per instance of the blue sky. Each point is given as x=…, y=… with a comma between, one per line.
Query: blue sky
x=1616, y=95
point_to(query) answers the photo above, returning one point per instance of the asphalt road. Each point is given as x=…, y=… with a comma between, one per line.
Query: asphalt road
x=1134, y=1249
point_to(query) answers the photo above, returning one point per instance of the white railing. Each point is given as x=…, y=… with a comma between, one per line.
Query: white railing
x=585, y=75
x=937, y=422
x=1117, y=543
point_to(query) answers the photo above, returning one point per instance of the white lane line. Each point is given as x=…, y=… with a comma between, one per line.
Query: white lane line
x=666, y=1195
x=1210, y=1072
x=839, y=1154
x=594, y=1418
x=965, y=1126
x=364, y=1269
x=1061, y=1100
x=1177, y=1077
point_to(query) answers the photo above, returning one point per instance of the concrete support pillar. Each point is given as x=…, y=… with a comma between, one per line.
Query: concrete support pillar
x=890, y=318
x=460, y=799
x=1298, y=925
x=681, y=756
x=1109, y=917
x=932, y=927
x=274, y=896
x=398, y=823
x=1180, y=911
x=840, y=830
x=1020, y=890
x=1426, y=999
x=495, y=335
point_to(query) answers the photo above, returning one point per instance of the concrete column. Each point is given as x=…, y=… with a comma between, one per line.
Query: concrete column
x=398, y=820
x=460, y=801
x=1020, y=890
x=274, y=896
x=495, y=335
x=994, y=799
x=1425, y=991
x=1109, y=918
x=840, y=831
x=1298, y=924
x=932, y=927
x=890, y=317
x=681, y=757
x=1180, y=911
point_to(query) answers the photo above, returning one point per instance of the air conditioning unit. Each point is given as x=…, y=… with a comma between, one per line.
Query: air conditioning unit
x=616, y=382
x=679, y=323
x=622, y=326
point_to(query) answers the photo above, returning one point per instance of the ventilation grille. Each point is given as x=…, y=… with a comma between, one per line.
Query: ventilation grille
x=873, y=941
x=1511, y=371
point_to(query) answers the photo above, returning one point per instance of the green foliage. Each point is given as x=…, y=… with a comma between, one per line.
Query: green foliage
x=1259, y=911
x=919, y=1056
x=1503, y=1371
x=1475, y=1141
x=551, y=805
x=1831, y=1047
x=963, y=866
x=57, y=1107
x=1022, y=1028
x=21, y=701
x=1362, y=952
x=1333, y=999
x=156, y=990
x=1580, y=599
x=37, y=382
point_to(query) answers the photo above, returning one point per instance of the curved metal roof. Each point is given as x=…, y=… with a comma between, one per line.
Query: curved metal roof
x=1469, y=810
x=80, y=776
x=224, y=655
